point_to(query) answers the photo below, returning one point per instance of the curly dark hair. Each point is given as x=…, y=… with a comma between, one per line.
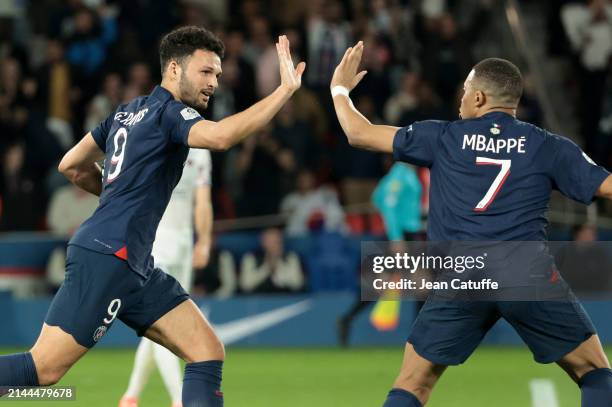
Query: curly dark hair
x=184, y=41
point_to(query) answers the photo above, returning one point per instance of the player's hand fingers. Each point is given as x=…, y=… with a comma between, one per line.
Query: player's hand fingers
x=301, y=67
x=355, y=57
x=358, y=78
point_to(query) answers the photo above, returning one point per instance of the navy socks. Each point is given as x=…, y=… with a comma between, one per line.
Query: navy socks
x=401, y=398
x=596, y=388
x=202, y=384
x=18, y=370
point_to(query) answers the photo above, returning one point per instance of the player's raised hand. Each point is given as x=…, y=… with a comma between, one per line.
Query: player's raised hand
x=346, y=72
x=291, y=77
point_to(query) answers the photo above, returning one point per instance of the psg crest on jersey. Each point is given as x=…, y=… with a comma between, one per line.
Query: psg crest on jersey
x=99, y=333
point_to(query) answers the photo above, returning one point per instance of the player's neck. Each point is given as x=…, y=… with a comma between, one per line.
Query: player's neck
x=170, y=87
x=508, y=110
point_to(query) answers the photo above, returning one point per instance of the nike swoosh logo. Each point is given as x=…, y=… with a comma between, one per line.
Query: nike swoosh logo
x=234, y=331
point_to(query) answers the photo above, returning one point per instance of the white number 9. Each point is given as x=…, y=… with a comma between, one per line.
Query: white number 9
x=113, y=309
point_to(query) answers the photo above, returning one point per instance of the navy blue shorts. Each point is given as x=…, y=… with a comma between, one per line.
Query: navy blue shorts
x=100, y=288
x=447, y=332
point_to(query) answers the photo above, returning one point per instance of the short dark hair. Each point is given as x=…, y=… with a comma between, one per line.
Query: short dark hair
x=501, y=78
x=184, y=41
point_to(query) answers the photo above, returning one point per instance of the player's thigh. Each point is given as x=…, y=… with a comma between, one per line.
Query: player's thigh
x=589, y=355
x=54, y=353
x=186, y=332
x=446, y=332
x=95, y=291
x=552, y=328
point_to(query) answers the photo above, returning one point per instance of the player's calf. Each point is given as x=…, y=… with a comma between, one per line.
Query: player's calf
x=54, y=353
x=415, y=382
x=185, y=331
x=588, y=366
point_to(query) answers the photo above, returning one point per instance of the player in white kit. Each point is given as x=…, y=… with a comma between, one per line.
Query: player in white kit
x=175, y=253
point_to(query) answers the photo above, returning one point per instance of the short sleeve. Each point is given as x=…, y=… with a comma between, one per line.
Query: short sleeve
x=416, y=144
x=574, y=174
x=100, y=133
x=203, y=168
x=178, y=120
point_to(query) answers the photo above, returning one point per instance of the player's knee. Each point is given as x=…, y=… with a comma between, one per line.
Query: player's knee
x=48, y=376
x=203, y=351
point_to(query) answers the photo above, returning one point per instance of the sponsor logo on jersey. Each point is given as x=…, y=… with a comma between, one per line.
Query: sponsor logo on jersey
x=189, y=113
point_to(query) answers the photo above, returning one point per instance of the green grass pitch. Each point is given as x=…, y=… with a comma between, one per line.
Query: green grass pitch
x=324, y=377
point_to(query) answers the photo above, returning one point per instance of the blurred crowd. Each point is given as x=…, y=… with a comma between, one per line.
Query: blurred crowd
x=66, y=64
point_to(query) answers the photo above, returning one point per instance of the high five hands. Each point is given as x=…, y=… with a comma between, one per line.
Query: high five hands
x=346, y=74
x=291, y=77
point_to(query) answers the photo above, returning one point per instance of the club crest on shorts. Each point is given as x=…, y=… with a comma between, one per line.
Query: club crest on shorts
x=99, y=333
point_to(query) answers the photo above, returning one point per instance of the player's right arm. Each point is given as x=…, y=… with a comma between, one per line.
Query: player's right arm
x=230, y=131
x=80, y=167
x=358, y=129
x=605, y=189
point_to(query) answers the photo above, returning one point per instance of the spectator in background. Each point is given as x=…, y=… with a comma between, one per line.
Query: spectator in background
x=360, y=169
x=264, y=165
x=238, y=72
x=104, y=103
x=54, y=87
x=329, y=34
x=406, y=99
x=273, y=269
x=218, y=278
x=295, y=134
x=312, y=208
x=589, y=29
x=69, y=207
x=22, y=199
x=139, y=77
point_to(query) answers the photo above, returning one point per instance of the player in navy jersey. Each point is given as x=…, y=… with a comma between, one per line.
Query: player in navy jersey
x=110, y=273
x=491, y=180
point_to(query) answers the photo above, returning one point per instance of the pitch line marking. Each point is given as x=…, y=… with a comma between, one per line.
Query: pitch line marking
x=543, y=393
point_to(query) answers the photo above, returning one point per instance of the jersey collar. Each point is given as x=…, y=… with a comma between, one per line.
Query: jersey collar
x=497, y=116
x=161, y=94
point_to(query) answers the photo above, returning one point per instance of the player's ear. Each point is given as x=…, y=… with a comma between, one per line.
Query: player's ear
x=173, y=70
x=479, y=98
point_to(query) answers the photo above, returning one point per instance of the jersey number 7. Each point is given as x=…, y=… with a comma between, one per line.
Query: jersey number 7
x=497, y=182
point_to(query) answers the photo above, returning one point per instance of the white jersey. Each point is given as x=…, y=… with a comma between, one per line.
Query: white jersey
x=173, y=244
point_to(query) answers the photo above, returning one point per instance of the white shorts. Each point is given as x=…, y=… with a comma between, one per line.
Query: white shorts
x=173, y=254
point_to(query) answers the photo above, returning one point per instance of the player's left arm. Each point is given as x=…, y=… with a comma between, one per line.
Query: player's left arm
x=575, y=174
x=203, y=210
x=361, y=133
x=203, y=220
x=80, y=167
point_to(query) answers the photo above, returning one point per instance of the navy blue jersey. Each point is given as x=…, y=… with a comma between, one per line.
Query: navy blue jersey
x=491, y=177
x=145, y=144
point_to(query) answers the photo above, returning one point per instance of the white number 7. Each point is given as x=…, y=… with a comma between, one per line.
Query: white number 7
x=497, y=183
